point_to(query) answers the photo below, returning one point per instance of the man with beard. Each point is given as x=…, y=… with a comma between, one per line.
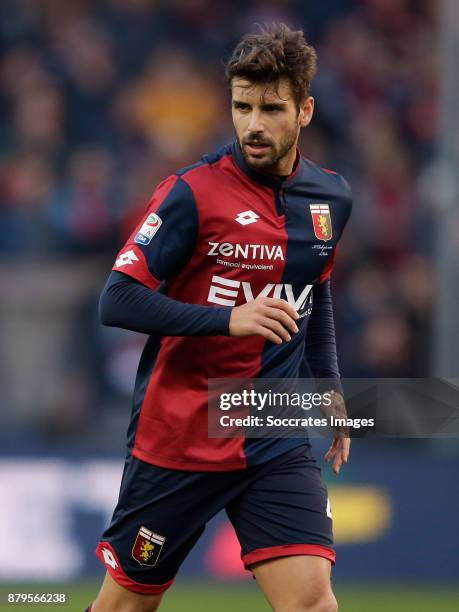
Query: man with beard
x=229, y=272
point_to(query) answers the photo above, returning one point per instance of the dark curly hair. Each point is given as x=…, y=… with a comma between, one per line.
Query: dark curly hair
x=275, y=52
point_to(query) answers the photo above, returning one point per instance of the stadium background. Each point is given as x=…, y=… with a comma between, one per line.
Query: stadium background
x=100, y=101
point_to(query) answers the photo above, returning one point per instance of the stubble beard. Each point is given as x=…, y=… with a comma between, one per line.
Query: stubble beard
x=271, y=161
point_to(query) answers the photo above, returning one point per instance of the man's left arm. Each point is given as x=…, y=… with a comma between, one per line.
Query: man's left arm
x=321, y=356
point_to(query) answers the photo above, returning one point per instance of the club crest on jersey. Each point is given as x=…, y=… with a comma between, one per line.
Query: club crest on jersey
x=321, y=220
x=147, y=547
x=151, y=225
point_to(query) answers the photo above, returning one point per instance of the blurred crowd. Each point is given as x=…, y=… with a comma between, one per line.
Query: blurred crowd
x=103, y=99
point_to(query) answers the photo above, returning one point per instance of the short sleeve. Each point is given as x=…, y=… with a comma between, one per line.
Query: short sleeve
x=165, y=238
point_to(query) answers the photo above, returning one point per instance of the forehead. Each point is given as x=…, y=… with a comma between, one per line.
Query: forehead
x=262, y=93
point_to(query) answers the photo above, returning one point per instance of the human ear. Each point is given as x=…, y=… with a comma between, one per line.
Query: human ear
x=306, y=111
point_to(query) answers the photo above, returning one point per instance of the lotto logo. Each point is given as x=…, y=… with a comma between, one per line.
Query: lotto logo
x=247, y=217
x=126, y=259
x=109, y=558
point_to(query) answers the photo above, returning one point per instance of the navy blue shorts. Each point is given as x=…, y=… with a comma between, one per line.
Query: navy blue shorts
x=279, y=508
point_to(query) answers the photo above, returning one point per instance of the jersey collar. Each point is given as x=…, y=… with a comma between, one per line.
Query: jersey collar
x=264, y=178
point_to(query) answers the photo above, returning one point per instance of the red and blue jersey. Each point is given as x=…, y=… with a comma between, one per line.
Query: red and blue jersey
x=216, y=235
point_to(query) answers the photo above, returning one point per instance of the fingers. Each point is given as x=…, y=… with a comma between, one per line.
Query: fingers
x=267, y=333
x=332, y=450
x=346, y=449
x=338, y=462
x=272, y=318
x=340, y=451
x=280, y=315
x=276, y=327
x=277, y=320
x=281, y=305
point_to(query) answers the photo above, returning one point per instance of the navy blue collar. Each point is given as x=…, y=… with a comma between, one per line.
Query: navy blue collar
x=264, y=178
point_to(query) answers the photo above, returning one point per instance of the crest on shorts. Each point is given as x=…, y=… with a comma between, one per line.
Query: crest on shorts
x=321, y=220
x=147, y=547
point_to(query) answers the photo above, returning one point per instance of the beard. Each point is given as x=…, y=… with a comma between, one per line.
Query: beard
x=273, y=155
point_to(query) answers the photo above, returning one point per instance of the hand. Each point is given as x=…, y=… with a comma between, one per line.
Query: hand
x=340, y=451
x=341, y=445
x=271, y=318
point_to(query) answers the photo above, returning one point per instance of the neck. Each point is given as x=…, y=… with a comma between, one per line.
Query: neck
x=284, y=167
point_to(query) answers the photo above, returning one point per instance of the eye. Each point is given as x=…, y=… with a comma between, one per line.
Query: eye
x=241, y=106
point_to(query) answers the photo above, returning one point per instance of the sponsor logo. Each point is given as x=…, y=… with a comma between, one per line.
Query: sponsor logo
x=226, y=292
x=247, y=217
x=147, y=547
x=321, y=220
x=109, y=559
x=246, y=251
x=148, y=229
x=329, y=512
x=126, y=259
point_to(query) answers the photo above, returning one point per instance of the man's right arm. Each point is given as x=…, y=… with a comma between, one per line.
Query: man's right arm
x=157, y=250
x=128, y=304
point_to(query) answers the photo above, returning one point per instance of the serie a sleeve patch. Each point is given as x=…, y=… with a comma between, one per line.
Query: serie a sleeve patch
x=149, y=228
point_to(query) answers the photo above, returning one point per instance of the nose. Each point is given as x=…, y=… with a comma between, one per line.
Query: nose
x=255, y=123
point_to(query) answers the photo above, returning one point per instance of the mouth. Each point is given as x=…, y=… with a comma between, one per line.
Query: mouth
x=257, y=148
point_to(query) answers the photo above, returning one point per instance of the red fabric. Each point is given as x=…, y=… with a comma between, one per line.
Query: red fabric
x=175, y=404
x=288, y=550
x=329, y=171
x=119, y=576
x=139, y=269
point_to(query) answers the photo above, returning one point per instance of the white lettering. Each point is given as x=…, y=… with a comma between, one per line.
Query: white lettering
x=225, y=292
x=242, y=250
x=216, y=292
x=270, y=251
x=248, y=294
x=226, y=249
x=299, y=302
x=213, y=248
x=279, y=254
x=246, y=251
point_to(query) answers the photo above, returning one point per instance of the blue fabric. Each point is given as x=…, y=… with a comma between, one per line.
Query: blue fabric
x=172, y=247
x=128, y=304
x=279, y=503
x=320, y=358
x=320, y=349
